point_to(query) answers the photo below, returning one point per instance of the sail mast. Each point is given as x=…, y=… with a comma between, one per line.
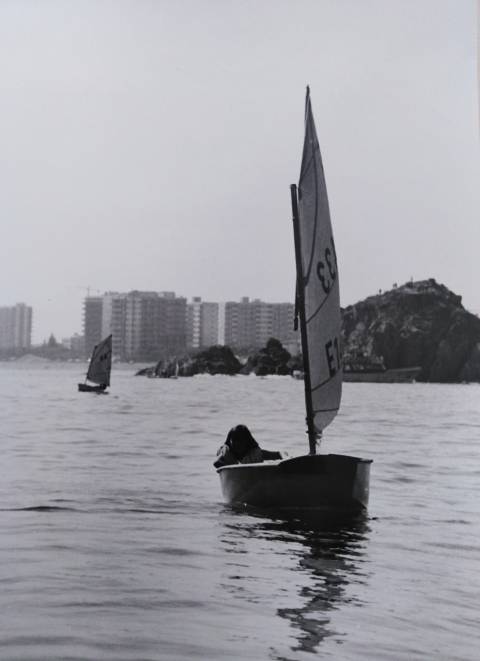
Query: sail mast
x=300, y=307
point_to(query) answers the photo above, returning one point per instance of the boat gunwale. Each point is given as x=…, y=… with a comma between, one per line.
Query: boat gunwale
x=278, y=462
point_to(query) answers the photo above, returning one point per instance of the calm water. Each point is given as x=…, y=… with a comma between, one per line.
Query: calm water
x=115, y=543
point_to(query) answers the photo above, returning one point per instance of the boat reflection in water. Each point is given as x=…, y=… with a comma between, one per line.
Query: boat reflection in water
x=321, y=557
x=332, y=559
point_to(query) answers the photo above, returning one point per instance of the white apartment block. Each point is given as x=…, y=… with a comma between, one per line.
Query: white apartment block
x=16, y=327
x=249, y=324
x=144, y=324
x=202, y=323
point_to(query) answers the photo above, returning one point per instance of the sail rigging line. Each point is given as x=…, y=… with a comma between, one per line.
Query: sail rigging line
x=306, y=277
x=314, y=314
x=303, y=171
x=312, y=159
x=326, y=410
x=323, y=383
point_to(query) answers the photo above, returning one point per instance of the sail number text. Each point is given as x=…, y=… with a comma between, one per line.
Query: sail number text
x=332, y=352
x=327, y=269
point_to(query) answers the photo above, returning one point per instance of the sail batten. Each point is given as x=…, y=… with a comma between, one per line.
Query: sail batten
x=321, y=385
x=317, y=273
x=314, y=314
x=324, y=410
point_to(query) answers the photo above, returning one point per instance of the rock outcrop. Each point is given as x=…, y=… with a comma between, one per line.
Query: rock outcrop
x=418, y=324
x=272, y=359
x=214, y=360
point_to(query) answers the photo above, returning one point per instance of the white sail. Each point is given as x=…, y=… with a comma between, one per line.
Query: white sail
x=319, y=276
x=101, y=362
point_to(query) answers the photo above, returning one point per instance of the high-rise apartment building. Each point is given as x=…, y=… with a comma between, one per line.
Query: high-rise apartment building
x=114, y=314
x=250, y=324
x=202, y=323
x=92, y=322
x=155, y=325
x=239, y=324
x=16, y=327
x=194, y=313
x=283, y=317
x=144, y=325
x=209, y=324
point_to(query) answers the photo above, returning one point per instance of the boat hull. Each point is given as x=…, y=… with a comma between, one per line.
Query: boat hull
x=84, y=387
x=323, y=482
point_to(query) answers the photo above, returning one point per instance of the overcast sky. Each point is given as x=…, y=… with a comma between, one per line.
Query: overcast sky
x=150, y=145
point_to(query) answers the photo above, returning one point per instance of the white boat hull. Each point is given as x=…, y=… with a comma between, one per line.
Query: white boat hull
x=324, y=482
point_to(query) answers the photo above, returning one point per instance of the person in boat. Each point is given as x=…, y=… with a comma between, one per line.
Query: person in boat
x=241, y=448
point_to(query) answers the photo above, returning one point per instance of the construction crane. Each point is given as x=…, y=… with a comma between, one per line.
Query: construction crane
x=89, y=289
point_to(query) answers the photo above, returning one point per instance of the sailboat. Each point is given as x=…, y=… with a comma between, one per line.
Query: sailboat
x=99, y=368
x=310, y=481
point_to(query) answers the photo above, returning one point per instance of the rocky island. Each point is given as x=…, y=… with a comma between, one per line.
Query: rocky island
x=420, y=324
x=272, y=359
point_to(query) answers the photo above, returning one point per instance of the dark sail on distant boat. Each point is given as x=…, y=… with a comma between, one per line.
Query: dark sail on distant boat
x=101, y=362
x=100, y=367
x=319, y=275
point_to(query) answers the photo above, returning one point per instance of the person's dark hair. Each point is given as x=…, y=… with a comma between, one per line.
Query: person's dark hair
x=240, y=441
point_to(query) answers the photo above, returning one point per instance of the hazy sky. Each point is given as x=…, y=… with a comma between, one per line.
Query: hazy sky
x=150, y=145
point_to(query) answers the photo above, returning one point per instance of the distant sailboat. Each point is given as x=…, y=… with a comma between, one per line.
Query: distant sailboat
x=313, y=481
x=99, y=368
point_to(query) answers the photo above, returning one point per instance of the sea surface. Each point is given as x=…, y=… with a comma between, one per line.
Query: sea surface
x=115, y=544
